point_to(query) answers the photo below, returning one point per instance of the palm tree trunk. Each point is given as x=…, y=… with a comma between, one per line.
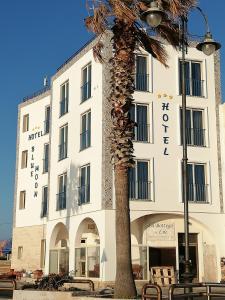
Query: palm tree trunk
x=124, y=285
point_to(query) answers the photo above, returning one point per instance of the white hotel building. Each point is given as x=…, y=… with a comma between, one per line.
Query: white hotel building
x=64, y=208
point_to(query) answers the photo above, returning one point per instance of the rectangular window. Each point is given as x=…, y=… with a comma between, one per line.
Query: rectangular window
x=139, y=114
x=61, y=197
x=24, y=159
x=86, y=83
x=64, y=98
x=22, y=203
x=25, y=123
x=195, y=132
x=47, y=120
x=139, y=182
x=44, y=208
x=85, y=136
x=43, y=253
x=20, y=252
x=193, y=78
x=84, y=190
x=46, y=158
x=63, y=142
x=197, y=187
x=142, y=76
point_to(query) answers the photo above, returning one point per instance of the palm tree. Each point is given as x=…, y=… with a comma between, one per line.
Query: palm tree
x=124, y=19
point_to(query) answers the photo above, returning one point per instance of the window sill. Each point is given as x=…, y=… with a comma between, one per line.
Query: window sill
x=65, y=113
x=81, y=150
x=82, y=101
x=81, y=204
x=60, y=159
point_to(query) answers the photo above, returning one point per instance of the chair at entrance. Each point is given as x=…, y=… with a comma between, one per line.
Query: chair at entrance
x=163, y=275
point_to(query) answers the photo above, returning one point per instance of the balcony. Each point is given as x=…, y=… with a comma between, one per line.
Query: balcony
x=84, y=194
x=194, y=87
x=61, y=201
x=142, y=133
x=197, y=193
x=85, y=139
x=142, y=82
x=63, y=151
x=140, y=190
x=46, y=126
x=86, y=91
x=195, y=137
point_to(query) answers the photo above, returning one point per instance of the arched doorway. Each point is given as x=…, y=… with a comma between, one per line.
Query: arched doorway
x=59, y=250
x=87, y=250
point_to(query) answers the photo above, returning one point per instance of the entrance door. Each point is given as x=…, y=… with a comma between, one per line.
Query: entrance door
x=162, y=257
x=193, y=254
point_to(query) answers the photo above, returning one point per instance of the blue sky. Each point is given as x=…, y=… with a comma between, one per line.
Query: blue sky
x=36, y=38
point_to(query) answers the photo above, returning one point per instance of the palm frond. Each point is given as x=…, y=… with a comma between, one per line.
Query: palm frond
x=123, y=11
x=97, y=23
x=170, y=32
x=177, y=7
x=97, y=52
x=153, y=46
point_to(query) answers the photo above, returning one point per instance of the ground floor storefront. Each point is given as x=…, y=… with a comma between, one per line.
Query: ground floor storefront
x=84, y=246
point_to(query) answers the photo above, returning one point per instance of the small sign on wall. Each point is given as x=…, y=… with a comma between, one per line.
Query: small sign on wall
x=161, y=231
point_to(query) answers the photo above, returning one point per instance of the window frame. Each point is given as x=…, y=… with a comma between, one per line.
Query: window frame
x=146, y=56
x=65, y=100
x=87, y=185
x=87, y=126
x=47, y=120
x=43, y=202
x=24, y=159
x=88, y=83
x=19, y=252
x=149, y=135
x=64, y=192
x=22, y=200
x=65, y=142
x=26, y=121
x=46, y=145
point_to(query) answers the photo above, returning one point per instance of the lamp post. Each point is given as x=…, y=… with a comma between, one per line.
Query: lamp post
x=154, y=16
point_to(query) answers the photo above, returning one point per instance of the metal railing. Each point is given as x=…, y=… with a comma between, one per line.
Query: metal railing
x=197, y=193
x=195, y=137
x=86, y=91
x=151, y=291
x=62, y=151
x=142, y=133
x=194, y=87
x=63, y=106
x=38, y=93
x=46, y=126
x=142, y=82
x=84, y=194
x=207, y=291
x=61, y=201
x=140, y=190
x=85, y=139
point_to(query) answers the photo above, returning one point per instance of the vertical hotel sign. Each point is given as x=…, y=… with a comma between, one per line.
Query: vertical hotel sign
x=165, y=107
x=34, y=167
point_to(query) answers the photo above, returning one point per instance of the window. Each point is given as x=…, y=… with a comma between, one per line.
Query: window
x=85, y=136
x=24, y=159
x=87, y=260
x=195, y=132
x=197, y=188
x=61, y=197
x=142, y=78
x=20, y=252
x=84, y=190
x=43, y=253
x=47, y=120
x=86, y=83
x=63, y=141
x=139, y=114
x=25, y=123
x=46, y=158
x=194, y=82
x=22, y=200
x=44, y=208
x=139, y=183
x=64, y=98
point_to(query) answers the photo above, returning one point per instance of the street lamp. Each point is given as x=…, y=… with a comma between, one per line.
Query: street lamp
x=154, y=17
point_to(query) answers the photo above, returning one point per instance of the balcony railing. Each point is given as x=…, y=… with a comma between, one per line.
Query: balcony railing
x=46, y=126
x=84, y=194
x=44, y=210
x=62, y=151
x=195, y=137
x=61, y=201
x=194, y=87
x=142, y=133
x=142, y=82
x=45, y=165
x=140, y=190
x=198, y=193
x=85, y=139
x=86, y=91
x=63, y=106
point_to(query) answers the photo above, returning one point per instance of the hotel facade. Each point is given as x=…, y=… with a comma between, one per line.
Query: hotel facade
x=64, y=206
